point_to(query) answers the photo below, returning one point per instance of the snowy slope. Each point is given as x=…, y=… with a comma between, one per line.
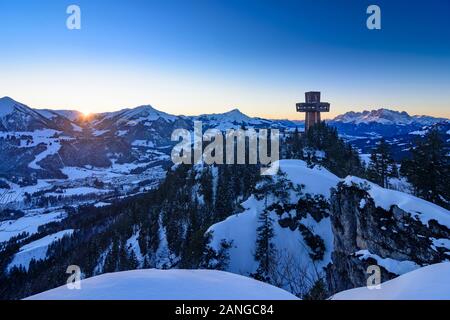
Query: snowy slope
x=139, y=114
x=168, y=284
x=385, y=198
x=7, y=106
x=317, y=180
x=234, y=116
x=71, y=115
x=241, y=228
x=427, y=283
x=36, y=250
x=29, y=223
x=15, y=116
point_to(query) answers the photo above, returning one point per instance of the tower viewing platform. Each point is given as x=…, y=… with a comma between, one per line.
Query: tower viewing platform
x=312, y=108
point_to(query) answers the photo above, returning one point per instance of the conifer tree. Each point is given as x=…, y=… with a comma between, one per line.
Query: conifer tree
x=224, y=198
x=265, y=250
x=428, y=170
x=382, y=165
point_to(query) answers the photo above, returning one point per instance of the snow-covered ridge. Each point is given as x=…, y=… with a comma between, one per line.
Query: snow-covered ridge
x=72, y=115
x=141, y=113
x=172, y=284
x=9, y=105
x=386, y=198
x=427, y=283
x=234, y=115
x=241, y=229
x=231, y=119
x=385, y=116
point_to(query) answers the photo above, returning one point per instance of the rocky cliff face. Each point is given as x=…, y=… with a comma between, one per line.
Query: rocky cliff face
x=336, y=235
x=367, y=234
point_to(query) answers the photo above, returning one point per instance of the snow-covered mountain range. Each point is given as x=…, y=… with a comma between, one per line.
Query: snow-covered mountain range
x=387, y=117
x=62, y=153
x=364, y=129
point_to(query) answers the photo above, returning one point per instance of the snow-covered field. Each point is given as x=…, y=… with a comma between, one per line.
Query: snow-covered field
x=168, y=284
x=29, y=223
x=78, y=191
x=427, y=283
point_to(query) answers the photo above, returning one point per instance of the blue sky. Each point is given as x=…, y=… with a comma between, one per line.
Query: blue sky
x=203, y=56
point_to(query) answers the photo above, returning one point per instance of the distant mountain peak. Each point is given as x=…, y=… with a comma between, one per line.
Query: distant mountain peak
x=16, y=116
x=145, y=107
x=7, y=99
x=234, y=115
x=7, y=105
x=234, y=111
x=141, y=113
x=384, y=116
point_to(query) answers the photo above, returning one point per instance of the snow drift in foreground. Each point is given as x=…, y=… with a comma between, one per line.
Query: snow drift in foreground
x=427, y=283
x=153, y=284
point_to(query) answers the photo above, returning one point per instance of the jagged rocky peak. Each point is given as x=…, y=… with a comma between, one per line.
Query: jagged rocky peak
x=384, y=116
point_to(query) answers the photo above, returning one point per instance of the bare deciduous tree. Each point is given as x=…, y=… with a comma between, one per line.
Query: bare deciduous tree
x=292, y=274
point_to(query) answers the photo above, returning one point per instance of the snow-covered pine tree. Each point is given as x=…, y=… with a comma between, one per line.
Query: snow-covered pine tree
x=265, y=250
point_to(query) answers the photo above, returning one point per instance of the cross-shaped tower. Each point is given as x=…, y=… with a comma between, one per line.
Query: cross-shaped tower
x=312, y=107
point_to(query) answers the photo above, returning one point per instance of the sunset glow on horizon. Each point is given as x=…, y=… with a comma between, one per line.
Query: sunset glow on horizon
x=213, y=56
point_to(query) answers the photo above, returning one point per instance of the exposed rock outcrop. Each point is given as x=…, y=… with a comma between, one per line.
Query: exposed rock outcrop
x=394, y=236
